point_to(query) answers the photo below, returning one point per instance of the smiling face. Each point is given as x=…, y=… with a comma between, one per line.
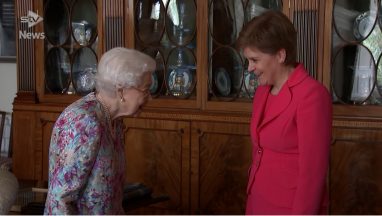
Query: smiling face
x=265, y=66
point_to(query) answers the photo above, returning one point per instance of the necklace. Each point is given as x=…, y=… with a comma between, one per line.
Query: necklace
x=106, y=111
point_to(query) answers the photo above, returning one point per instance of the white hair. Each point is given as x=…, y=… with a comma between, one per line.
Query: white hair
x=122, y=68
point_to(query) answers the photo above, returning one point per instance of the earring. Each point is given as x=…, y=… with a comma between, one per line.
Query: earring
x=122, y=100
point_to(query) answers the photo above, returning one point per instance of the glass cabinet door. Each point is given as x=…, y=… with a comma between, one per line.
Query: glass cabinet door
x=356, y=73
x=70, y=28
x=228, y=77
x=194, y=43
x=166, y=30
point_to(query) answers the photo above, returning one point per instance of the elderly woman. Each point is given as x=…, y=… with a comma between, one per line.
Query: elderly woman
x=86, y=155
x=290, y=125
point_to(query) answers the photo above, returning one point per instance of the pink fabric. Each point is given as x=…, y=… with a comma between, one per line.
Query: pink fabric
x=290, y=148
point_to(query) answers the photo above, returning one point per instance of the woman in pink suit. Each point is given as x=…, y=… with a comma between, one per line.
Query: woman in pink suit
x=290, y=125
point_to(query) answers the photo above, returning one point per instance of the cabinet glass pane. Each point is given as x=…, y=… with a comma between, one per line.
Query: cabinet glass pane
x=228, y=77
x=84, y=68
x=227, y=73
x=150, y=20
x=180, y=21
x=354, y=20
x=56, y=22
x=379, y=76
x=256, y=7
x=355, y=77
x=84, y=22
x=356, y=50
x=226, y=20
x=71, y=42
x=172, y=43
x=57, y=70
x=181, y=72
x=157, y=77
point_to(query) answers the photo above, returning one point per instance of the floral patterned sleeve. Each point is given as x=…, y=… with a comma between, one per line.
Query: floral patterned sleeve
x=73, y=150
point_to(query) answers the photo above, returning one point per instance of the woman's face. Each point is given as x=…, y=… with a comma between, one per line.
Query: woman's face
x=136, y=98
x=265, y=66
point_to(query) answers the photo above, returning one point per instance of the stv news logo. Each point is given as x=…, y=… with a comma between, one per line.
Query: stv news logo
x=32, y=19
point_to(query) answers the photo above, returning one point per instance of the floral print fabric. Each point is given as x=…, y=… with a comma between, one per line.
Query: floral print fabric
x=86, y=165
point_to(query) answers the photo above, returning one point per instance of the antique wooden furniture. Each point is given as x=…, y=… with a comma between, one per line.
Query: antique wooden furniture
x=192, y=140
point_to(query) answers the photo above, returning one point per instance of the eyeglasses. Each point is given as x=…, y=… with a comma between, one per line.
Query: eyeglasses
x=144, y=91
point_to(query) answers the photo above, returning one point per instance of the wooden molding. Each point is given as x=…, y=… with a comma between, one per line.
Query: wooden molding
x=358, y=124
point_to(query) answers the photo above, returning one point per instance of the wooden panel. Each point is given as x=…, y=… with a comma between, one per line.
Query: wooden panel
x=308, y=19
x=356, y=170
x=23, y=145
x=113, y=24
x=25, y=60
x=157, y=154
x=202, y=52
x=220, y=158
x=327, y=35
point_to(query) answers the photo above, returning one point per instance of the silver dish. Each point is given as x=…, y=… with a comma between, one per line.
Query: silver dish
x=154, y=83
x=360, y=26
x=84, y=81
x=250, y=83
x=223, y=81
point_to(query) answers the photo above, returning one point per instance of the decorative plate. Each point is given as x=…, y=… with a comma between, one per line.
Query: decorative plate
x=250, y=83
x=154, y=83
x=84, y=81
x=223, y=81
x=360, y=26
x=180, y=81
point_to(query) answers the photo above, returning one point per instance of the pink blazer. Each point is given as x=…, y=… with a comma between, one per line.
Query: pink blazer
x=290, y=148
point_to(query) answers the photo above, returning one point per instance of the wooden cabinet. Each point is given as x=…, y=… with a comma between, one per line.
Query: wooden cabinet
x=355, y=176
x=24, y=144
x=192, y=142
x=220, y=158
x=201, y=165
x=158, y=154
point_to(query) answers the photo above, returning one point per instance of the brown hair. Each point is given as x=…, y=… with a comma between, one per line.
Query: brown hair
x=270, y=32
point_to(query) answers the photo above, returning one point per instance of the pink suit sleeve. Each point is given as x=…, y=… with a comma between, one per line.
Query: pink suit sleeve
x=314, y=124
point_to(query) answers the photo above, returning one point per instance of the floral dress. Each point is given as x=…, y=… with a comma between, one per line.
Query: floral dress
x=86, y=164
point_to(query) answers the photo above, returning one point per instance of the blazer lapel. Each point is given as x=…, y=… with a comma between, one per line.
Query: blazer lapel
x=259, y=111
x=283, y=100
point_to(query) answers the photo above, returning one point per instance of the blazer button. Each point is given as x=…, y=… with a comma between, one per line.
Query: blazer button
x=260, y=151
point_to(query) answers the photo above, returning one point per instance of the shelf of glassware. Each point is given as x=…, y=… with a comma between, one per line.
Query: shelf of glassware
x=70, y=50
x=356, y=73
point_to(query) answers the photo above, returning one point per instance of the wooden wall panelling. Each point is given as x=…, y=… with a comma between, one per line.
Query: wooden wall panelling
x=24, y=158
x=220, y=158
x=25, y=49
x=355, y=168
x=202, y=52
x=327, y=52
x=39, y=48
x=308, y=19
x=158, y=155
x=111, y=24
x=130, y=23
